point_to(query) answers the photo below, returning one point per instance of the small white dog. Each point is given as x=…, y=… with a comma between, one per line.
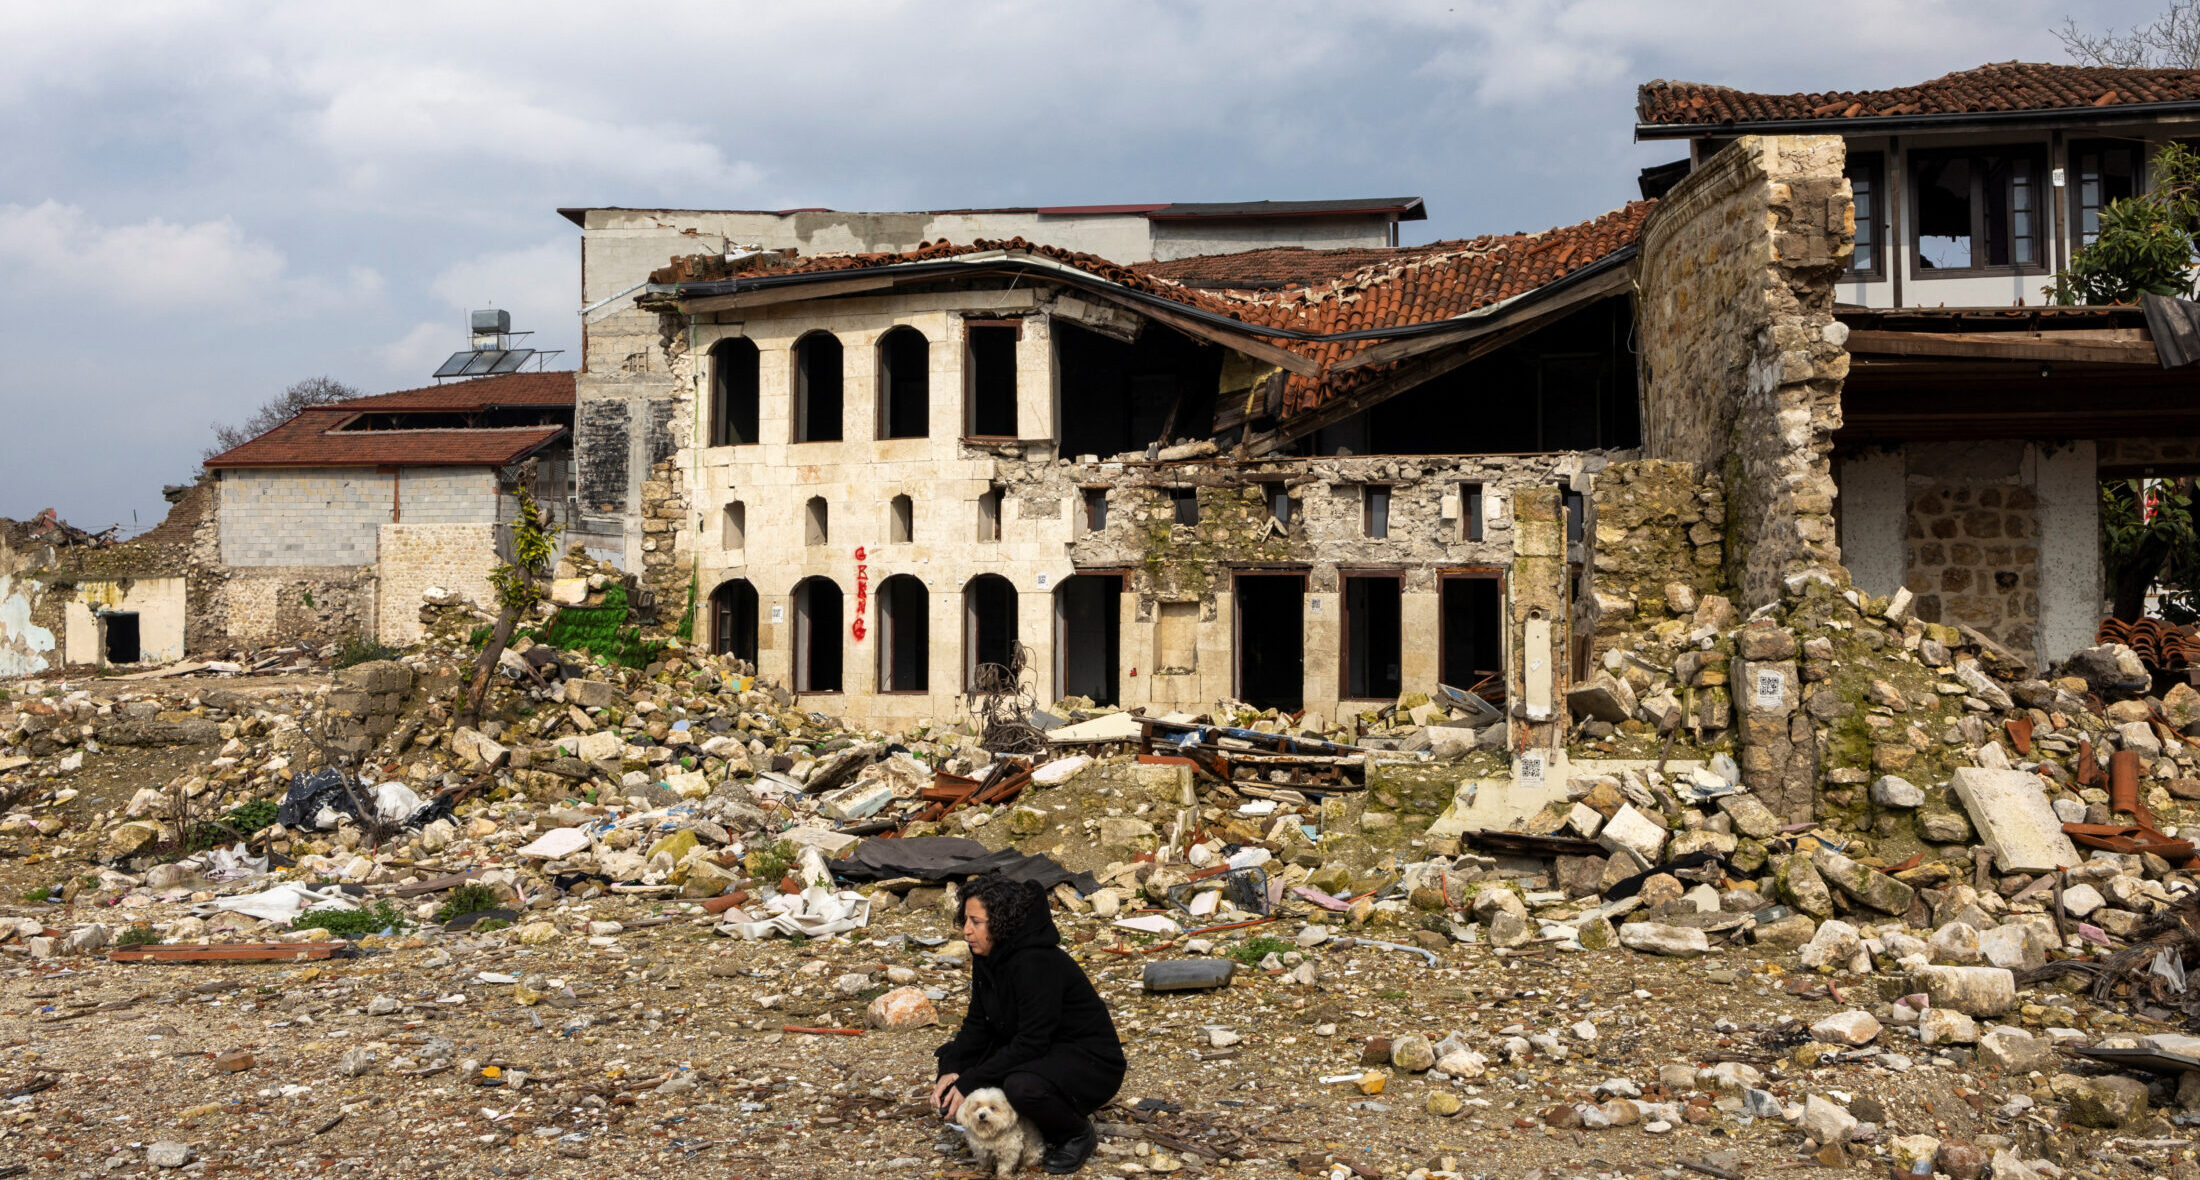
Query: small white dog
x=1001, y=1139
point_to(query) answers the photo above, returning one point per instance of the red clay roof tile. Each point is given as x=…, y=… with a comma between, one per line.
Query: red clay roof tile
x=314, y=437
x=2003, y=86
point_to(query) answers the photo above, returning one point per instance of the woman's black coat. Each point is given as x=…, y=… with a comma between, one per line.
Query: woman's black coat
x=1032, y=1010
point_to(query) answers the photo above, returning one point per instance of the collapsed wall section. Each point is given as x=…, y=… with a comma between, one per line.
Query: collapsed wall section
x=1742, y=360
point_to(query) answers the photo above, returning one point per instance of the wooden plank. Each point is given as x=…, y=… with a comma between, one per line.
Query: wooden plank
x=793, y=292
x=235, y=952
x=1257, y=349
x=2021, y=346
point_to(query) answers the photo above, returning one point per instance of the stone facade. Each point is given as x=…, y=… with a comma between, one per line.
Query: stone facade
x=1974, y=558
x=456, y=558
x=1742, y=361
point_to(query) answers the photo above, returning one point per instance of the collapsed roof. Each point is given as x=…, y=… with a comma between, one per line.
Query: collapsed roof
x=1337, y=323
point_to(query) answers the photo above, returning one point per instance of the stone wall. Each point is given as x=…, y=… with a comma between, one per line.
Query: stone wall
x=290, y=604
x=1660, y=550
x=456, y=558
x=1742, y=361
x=1974, y=558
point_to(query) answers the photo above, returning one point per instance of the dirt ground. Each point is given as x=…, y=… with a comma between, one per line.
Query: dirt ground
x=131, y=1050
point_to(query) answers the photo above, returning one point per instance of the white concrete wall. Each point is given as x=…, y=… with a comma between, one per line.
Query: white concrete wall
x=1874, y=510
x=2067, y=481
x=157, y=602
x=302, y=516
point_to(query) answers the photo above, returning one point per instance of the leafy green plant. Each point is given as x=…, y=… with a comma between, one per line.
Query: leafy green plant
x=604, y=630
x=769, y=862
x=2148, y=542
x=2146, y=244
x=137, y=936
x=1253, y=950
x=39, y=894
x=358, y=649
x=468, y=898
x=247, y=818
x=374, y=919
x=519, y=585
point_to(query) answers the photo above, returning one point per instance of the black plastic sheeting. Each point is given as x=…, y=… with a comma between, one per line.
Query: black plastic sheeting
x=325, y=788
x=952, y=858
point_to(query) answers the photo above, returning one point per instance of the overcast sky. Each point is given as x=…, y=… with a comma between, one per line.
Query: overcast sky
x=203, y=202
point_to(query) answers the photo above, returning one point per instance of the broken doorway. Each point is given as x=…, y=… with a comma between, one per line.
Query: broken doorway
x=1271, y=641
x=904, y=634
x=733, y=620
x=119, y=636
x=989, y=625
x=1088, y=634
x=1472, y=634
x=1374, y=645
x=816, y=635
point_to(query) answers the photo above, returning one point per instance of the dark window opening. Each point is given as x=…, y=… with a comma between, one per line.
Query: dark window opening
x=904, y=384
x=1570, y=386
x=1184, y=502
x=2104, y=172
x=119, y=636
x=1119, y=397
x=901, y=526
x=989, y=626
x=1278, y=498
x=1271, y=641
x=1096, y=510
x=904, y=635
x=992, y=382
x=1574, y=508
x=1978, y=211
x=817, y=635
x=1470, y=510
x=1375, y=511
x=1373, y=637
x=733, y=620
x=734, y=393
x=817, y=388
x=1473, y=633
x=989, y=515
x=816, y=522
x=1088, y=624
x=1866, y=186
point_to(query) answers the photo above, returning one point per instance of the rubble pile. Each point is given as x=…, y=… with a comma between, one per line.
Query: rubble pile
x=1253, y=868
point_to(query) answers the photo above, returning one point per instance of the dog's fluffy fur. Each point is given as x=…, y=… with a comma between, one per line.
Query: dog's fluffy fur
x=1002, y=1139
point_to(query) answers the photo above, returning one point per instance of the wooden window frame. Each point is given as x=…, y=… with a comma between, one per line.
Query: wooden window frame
x=2033, y=155
x=1484, y=573
x=2076, y=178
x=1872, y=166
x=1368, y=492
x=883, y=658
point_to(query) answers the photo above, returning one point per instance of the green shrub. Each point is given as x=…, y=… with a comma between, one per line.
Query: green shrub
x=358, y=649
x=39, y=894
x=137, y=936
x=374, y=919
x=468, y=898
x=1253, y=950
x=769, y=862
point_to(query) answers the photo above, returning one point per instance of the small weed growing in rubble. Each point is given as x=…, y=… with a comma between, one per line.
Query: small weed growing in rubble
x=769, y=862
x=373, y=919
x=251, y=817
x=488, y=924
x=358, y=649
x=1253, y=950
x=137, y=936
x=39, y=894
x=469, y=898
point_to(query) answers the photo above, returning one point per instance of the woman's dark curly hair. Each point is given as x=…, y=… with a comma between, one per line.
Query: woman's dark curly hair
x=1008, y=904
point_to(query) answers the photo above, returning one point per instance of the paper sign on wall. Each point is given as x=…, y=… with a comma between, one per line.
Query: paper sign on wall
x=1531, y=768
x=1771, y=688
x=1042, y=580
x=779, y=613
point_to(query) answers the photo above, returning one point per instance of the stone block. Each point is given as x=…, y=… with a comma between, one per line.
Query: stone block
x=1973, y=991
x=2013, y=819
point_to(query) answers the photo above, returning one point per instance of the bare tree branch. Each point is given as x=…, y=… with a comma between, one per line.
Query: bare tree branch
x=2172, y=42
x=313, y=391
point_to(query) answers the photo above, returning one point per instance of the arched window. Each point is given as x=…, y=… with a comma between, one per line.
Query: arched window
x=904, y=384
x=733, y=620
x=816, y=522
x=733, y=392
x=989, y=625
x=904, y=635
x=817, y=622
x=817, y=388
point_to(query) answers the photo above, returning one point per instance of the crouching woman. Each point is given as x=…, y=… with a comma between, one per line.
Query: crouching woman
x=1036, y=1027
